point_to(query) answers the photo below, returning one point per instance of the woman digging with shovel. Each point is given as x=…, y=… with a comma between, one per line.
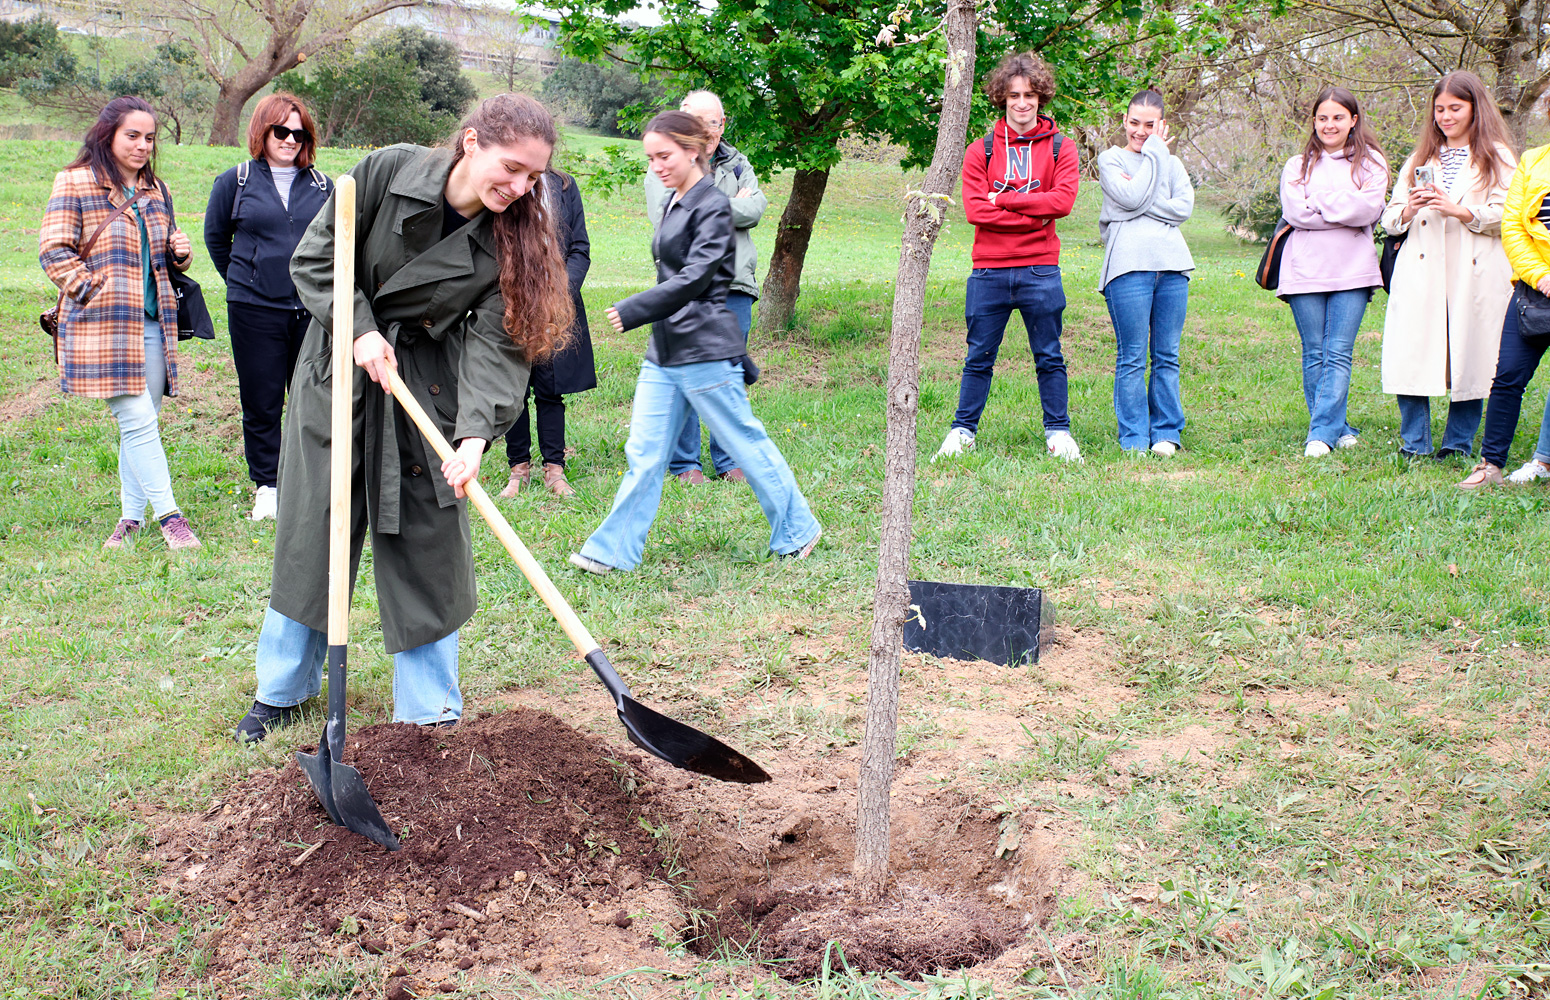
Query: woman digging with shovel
x=460, y=287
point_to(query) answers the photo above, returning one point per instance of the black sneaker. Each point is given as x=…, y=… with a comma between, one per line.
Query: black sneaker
x=261, y=718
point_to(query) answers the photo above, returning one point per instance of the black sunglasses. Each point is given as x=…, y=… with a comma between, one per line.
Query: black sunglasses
x=282, y=133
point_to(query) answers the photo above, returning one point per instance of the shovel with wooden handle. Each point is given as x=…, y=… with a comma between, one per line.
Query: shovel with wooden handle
x=680, y=745
x=339, y=786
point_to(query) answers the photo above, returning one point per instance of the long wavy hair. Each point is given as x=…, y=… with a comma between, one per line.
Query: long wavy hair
x=1361, y=144
x=534, y=284
x=97, y=145
x=1487, y=130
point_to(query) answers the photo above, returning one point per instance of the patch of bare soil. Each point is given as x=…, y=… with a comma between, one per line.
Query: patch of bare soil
x=529, y=846
x=31, y=401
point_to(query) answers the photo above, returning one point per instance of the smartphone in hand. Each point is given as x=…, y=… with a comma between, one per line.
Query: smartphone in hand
x=1425, y=175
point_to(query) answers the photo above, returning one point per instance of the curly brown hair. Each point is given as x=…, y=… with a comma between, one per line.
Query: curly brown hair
x=1040, y=77
x=534, y=285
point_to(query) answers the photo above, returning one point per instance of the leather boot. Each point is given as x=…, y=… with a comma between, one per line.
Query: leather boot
x=554, y=478
x=520, y=474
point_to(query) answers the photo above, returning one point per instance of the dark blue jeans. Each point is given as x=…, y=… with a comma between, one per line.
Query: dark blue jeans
x=992, y=294
x=1415, y=425
x=1515, y=367
x=686, y=453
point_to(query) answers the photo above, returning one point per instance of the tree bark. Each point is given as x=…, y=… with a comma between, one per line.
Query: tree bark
x=783, y=280
x=923, y=220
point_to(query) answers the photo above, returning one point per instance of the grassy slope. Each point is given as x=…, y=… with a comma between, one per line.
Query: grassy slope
x=1235, y=571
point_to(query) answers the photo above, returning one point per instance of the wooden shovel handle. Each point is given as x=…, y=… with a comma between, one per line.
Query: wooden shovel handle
x=558, y=606
x=343, y=431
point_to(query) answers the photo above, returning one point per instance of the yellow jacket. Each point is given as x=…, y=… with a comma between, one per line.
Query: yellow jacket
x=1524, y=237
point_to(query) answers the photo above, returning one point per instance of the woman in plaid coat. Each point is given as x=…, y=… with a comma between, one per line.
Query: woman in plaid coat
x=111, y=345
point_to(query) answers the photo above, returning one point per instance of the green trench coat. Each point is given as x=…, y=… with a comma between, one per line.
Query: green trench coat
x=438, y=302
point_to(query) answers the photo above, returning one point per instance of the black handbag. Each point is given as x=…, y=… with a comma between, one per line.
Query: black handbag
x=1268, y=274
x=1389, y=256
x=1533, y=311
x=193, y=315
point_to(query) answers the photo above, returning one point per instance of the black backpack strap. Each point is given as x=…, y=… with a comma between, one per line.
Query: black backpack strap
x=320, y=180
x=1055, y=154
x=990, y=145
x=243, y=169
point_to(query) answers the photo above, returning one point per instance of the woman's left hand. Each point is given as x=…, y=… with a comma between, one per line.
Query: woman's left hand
x=180, y=245
x=614, y=320
x=463, y=466
x=1447, y=206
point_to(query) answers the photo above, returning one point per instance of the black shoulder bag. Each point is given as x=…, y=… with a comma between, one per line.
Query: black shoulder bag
x=193, y=315
x=1268, y=274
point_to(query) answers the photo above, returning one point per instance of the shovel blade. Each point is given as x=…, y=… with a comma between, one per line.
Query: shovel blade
x=321, y=776
x=684, y=746
x=358, y=811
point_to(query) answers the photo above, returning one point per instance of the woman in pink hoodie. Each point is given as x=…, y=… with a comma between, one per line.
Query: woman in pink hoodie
x=1332, y=194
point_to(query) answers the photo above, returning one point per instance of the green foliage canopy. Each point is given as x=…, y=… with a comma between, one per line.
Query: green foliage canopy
x=600, y=95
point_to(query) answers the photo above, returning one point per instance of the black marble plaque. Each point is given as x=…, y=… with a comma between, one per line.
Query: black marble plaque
x=1005, y=625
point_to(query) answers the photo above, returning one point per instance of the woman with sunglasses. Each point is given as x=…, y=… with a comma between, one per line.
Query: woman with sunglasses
x=257, y=214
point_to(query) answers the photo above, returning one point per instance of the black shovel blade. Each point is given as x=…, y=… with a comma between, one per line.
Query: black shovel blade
x=337, y=785
x=358, y=812
x=321, y=776
x=684, y=746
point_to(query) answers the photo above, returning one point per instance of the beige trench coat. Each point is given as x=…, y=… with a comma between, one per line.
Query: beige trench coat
x=1450, y=290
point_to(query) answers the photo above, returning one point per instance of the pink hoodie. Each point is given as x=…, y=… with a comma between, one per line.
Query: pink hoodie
x=1333, y=215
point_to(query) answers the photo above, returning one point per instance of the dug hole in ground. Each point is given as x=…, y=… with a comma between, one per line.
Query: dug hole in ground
x=530, y=847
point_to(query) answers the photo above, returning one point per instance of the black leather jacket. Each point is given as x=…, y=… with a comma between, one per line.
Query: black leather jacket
x=687, y=309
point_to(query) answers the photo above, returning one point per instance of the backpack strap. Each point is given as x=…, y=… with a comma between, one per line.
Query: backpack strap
x=319, y=180
x=990, y=143
x=243, y=169
x=1055, y=155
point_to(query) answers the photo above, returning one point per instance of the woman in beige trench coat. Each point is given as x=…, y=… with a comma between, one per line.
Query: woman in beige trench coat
x=1451, y=280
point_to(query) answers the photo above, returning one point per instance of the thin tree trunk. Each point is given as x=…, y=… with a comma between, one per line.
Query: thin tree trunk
x=783, y=281
x=923, y=220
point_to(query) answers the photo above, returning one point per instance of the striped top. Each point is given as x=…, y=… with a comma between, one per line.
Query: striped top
x=1544, y=210
x=1454, y=159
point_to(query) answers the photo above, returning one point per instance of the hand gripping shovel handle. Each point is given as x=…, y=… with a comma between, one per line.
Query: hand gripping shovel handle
x=678, y=744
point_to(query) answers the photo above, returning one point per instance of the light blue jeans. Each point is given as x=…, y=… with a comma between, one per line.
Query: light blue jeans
x=1147, y=308
x=1328, y=323
x=143, y=477
x=1458, y=435
x=290, y=671
x=663, y=400
x=686, y=453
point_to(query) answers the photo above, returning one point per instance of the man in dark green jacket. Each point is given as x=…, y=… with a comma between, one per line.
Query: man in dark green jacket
x=733, y=176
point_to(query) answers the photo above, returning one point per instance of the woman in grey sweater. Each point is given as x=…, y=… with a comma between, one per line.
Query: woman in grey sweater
x=1145, y=276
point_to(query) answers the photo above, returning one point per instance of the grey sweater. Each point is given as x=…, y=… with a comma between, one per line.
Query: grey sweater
x=1146, y=197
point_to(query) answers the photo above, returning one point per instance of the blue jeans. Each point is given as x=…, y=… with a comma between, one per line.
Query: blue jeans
x=664, y=398
x=1327, y=323
x=1415, y=425
x=143, y=476
x=686, y=453
x=290, y=671
x=1147, y=308
x=1515, y=366
x=992, y=294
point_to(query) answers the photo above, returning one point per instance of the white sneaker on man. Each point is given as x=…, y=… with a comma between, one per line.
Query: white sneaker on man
x=1062, y=445
x=956, y=443
x=266, y=503
x=1531, y=470
x=1315, y=449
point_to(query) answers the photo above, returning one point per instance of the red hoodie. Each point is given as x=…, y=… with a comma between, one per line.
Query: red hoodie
x=1032, y=190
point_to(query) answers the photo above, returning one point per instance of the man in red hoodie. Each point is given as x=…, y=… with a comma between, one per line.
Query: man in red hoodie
x=1016, y=182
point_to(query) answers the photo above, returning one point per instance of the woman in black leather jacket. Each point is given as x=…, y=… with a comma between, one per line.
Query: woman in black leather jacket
x=257, y=213
x=694, y=358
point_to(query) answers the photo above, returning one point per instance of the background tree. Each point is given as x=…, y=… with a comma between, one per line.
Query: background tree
x=26, y=46
x=796, y=77
x=923, y=211
x=243, y=45
x=600, y=95
x=406, y=86
x=170, y=79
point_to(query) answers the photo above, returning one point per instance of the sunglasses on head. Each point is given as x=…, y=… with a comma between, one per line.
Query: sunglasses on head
x=282, y=133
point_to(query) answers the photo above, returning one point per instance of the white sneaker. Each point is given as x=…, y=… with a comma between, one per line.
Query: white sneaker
x=1062, y=445
x=1315, y=449
x=266, y=503
x=586, y=565
x=1347, y=441
x=1164, y=448
x=956, y=443
x=1531, y=470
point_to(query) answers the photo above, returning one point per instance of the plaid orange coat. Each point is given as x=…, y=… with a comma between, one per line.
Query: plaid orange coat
x=102, y=323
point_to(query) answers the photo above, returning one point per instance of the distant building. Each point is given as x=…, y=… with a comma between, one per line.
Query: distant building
x=489, y=35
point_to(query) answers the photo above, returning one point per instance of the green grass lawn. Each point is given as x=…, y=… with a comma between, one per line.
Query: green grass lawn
x=1368, y=642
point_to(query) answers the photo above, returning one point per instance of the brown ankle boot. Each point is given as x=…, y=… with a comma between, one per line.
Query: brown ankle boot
x=520, y=474
x=554, y=478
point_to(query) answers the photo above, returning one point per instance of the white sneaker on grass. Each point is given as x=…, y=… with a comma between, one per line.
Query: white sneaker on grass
x=266, y=503
x=1532, y=469
x=1315, y=449
x=1347, y=441
x=1164, y=448
x=1062, y=445
x=956, y=443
